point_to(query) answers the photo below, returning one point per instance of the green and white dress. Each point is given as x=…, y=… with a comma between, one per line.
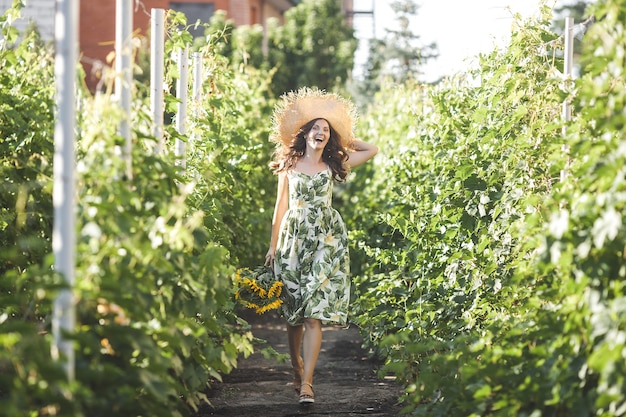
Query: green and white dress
x=312, y=256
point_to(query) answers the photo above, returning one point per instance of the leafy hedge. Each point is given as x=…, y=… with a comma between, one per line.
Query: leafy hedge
x=155, y=254
x=488, y=246
x=493, y=280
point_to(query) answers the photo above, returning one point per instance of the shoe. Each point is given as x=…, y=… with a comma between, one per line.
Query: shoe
x=305, y=397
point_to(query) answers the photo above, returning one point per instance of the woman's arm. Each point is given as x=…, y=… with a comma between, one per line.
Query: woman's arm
x=282, y=204
x=361, y=152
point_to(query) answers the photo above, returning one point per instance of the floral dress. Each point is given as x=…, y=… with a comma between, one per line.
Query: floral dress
x=312, y=256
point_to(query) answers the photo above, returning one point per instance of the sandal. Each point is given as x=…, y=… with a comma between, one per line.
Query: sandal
x=305, y=397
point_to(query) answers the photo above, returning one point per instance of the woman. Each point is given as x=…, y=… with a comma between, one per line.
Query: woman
x=309, y=245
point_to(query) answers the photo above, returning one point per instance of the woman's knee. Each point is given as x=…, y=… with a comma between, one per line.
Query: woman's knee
x=312, y=324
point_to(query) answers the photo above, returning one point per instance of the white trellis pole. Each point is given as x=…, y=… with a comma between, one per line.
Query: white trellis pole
x=197, y=76
x=123, y=71
x=181, y=93
x=157, y=52
x=568, y=54
x=196, y=88
x=63, y=233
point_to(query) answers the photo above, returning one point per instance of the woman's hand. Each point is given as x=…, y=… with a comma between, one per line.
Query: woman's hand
x=361, y=152
x=269, y=258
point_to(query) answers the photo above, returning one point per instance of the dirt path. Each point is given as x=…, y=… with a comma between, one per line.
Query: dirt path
x=345, y=380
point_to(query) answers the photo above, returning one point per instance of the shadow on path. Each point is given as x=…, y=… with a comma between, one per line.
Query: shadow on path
x=345, y=382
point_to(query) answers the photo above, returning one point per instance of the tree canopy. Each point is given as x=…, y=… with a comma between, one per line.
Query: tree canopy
x=314, y=47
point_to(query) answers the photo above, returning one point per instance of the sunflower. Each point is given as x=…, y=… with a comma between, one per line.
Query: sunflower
x=258, y=289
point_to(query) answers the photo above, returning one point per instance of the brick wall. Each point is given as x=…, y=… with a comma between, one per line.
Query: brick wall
x=239, y=11
x=97, y=29
x=97, y=22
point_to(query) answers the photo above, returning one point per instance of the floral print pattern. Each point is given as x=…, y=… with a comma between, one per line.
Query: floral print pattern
x=312, y=258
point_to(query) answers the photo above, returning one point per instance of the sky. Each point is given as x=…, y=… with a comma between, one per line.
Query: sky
x=461, y=28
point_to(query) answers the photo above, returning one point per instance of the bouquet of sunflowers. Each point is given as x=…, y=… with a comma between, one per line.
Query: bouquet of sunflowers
x=258, y=289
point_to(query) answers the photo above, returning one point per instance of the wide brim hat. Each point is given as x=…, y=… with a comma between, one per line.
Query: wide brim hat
x=297, y=108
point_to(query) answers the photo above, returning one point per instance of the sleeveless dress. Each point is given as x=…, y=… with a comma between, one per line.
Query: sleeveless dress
x=312, y=258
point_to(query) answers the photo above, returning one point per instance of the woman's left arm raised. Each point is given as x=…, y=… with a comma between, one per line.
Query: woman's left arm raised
x=361, y=152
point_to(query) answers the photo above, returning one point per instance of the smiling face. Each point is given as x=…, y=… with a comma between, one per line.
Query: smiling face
x=318, y=136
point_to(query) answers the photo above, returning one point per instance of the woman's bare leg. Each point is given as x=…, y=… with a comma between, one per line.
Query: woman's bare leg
x=294, y=337
x=312, y=344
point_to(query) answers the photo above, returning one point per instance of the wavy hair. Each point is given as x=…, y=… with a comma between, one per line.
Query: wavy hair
x=334, y=155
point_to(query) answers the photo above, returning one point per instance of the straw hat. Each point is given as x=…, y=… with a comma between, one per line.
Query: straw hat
x=295, y=109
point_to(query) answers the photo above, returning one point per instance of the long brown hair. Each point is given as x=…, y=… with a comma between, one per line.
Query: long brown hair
x=334, y=155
